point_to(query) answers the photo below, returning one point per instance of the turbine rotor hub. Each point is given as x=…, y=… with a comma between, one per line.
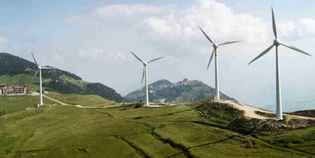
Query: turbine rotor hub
x=276, y=42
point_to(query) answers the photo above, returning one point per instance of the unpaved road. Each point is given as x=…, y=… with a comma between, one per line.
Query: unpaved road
x=78, y=106
x=250, y=111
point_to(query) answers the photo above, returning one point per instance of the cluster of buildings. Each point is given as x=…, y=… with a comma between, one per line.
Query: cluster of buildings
x=14, y=90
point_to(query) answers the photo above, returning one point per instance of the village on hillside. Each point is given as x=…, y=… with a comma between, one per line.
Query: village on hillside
x=14, y=90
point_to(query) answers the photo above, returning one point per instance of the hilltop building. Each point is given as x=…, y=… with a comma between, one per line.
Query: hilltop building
x=14, y=90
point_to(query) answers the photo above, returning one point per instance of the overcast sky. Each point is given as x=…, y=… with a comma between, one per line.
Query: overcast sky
x=92, y=38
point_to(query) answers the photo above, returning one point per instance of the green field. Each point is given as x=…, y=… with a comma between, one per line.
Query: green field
x=178, y=131
x=21, y=79
x=18, y=103
x=80, y=99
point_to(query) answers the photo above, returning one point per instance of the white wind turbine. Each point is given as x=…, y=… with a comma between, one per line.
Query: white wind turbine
x=145, y=74
x=277, y=43
x=215, y=54
x=40, y=68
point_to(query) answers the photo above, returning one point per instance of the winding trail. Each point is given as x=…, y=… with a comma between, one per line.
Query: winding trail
x=251, y=111
x=78, y=106
x=55, y=100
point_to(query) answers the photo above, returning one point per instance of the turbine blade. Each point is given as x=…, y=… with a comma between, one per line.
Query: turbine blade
x=35, y=74
x=227, y=43
x=35, y=61
x=143, y=75
x=274, y=27
x=296, y=49
x=210, y=59
x=205, y=34
x=48, y=67
x=155, y=59
x=134, y=54
x=262, y=54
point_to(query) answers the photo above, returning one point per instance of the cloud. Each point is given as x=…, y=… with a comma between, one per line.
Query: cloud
x=100, y=54
x=298, y=29
x=118, y=10
x=216, y=18
x=174, y=24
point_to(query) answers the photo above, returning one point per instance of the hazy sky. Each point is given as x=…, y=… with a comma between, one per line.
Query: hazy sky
x=92, y=38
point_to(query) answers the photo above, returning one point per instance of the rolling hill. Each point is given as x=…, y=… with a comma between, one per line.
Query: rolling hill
x=16, y=70
x=182, y=91
x=205, y=129
x=75, y=124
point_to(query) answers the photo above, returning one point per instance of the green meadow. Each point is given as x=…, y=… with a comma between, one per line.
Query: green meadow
x=125, y=131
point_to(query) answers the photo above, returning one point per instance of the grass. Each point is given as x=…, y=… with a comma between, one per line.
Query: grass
x=17, y=79
x=21, y=79
x=10, y=104
x=79, y=83
x=178, y=131
x=80, y=99
x=300, y=139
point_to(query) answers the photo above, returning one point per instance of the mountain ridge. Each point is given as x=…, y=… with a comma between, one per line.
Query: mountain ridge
x=53, y=79
x=182, y=91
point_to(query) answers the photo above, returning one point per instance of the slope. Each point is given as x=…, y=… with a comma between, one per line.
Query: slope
x=16, y=70
x=177, y=131
x=182, y=91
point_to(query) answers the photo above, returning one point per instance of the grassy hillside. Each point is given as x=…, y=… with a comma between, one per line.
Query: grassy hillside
x=302, y=140
x=79, y=99
x=185, y=91
x=21, y=79
x=18, y=103
x=16, y=70
x=178, y=131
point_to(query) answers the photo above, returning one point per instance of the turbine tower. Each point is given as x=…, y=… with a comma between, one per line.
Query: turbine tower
x=215, y=54
x=145, y=74
x=40, y=68
x=276, y=44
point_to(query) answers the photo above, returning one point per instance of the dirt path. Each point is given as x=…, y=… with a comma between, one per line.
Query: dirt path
x=55, y=100
x=250, y=111
x=77, y=106
x=91, y=107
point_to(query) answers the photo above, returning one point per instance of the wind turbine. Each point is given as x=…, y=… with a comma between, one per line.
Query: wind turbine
x=40, y=68
x=215, y=54
x=145, y=74
x=277, y=43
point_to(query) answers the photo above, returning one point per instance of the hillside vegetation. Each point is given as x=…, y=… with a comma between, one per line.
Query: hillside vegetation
x=18, y=103
x=79, y=99
x=185, y=91
x=16, y=70
x=185, y=131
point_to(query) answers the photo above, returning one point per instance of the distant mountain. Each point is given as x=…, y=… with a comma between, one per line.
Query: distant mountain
x=310, y=113
x=182, y=91
x=16, y=70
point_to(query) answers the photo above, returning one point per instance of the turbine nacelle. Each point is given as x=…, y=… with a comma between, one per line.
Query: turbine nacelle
x=145, y=63
x=276, y=42
x=214, y=45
